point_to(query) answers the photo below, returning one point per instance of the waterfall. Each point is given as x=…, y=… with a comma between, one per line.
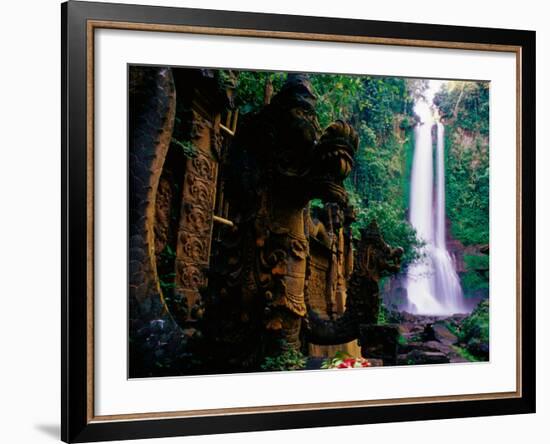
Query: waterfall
x=433, y=286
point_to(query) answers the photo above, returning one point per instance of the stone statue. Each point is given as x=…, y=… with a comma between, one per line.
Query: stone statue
x=330, y=264
x=373, y=260
x=278, y=163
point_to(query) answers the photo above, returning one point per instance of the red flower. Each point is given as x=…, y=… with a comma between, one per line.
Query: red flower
x=365, y=363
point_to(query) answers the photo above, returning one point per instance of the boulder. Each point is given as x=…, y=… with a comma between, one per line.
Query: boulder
x=443, y=334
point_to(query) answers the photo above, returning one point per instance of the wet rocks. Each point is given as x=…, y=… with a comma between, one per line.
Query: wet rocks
x=429, y=340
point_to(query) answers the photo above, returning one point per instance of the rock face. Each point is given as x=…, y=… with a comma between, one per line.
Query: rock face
x=155, y=335
x=167, y=247
x=152, y=97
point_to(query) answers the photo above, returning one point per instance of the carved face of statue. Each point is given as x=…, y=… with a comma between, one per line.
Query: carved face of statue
x=287, y=149
x=297, y=127
x=325, y=161
x=334, y=159
x=301, y=131
x=377, y=257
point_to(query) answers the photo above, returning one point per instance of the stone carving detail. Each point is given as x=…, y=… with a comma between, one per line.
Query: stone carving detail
x=195, y=230
x=196, y=218
x=279, y=162
x=198, y=125
x=190, y=277
x=203, y=167
x=317, y=285
x=193, y=247
x=216, y=142
x=329, y=268
x=374, y=259
x=162, y=214
x=197, y=191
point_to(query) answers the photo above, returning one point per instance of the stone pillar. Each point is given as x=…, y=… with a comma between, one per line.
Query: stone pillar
x=198, y=199
x=204, y=96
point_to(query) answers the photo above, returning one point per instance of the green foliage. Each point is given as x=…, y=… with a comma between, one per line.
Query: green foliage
x=289, y=359
x=466, y=104
x=393, y=224
x=336, y=360
x=166, y=280
x=468, y=189
x=465, y=109
x=316, y=203
x=382, y=314
x=337, y=97
x=188, y=148
x=476, y=276
x=473, y=334
x=371, y=104
x=407, y=160
x=465, y=353
x=452, y=327
x=251, y=88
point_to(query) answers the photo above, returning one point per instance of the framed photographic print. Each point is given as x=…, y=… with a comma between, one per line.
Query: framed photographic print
x=277, y=221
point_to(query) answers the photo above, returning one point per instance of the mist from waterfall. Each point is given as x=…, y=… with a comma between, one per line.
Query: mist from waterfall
x=433, y=286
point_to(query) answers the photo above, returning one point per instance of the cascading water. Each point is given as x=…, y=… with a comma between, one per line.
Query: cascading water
x=433, y=286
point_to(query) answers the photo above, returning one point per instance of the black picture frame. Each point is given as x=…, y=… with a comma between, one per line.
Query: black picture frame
x=77, y=425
